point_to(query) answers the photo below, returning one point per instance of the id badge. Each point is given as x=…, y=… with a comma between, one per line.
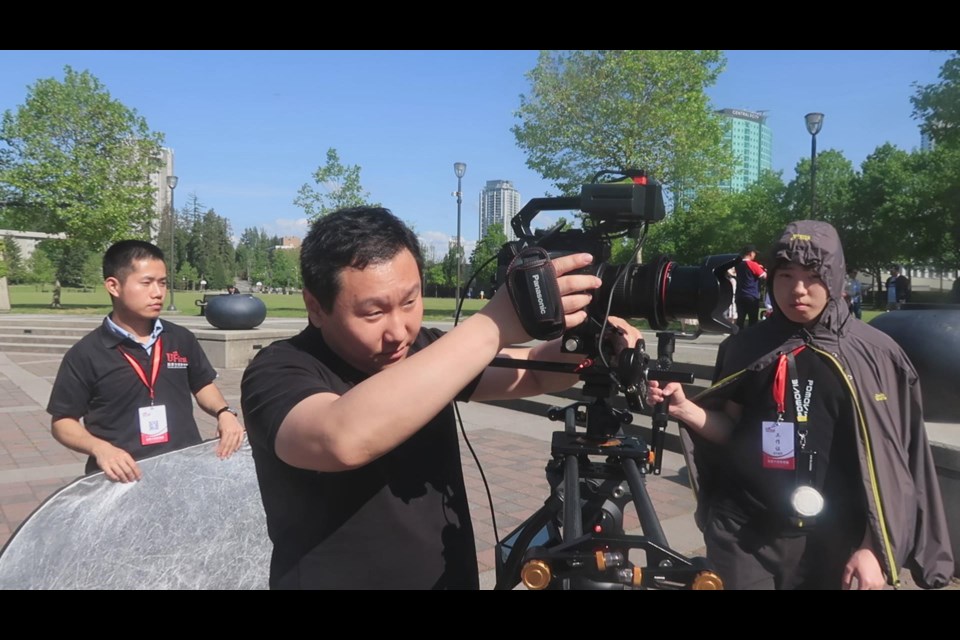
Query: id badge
x=153, y=425
x=778, y=447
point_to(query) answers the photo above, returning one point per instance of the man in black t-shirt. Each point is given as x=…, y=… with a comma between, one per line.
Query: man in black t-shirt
x=351, y=423
x=130, y=381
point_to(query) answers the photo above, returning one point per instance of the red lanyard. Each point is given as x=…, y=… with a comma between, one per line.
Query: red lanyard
x=154, y=367
x=780, y=382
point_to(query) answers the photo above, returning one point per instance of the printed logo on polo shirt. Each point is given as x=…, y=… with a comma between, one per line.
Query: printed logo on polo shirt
x=176, y=361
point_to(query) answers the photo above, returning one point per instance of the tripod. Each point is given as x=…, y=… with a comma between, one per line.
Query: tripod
x=576, y=540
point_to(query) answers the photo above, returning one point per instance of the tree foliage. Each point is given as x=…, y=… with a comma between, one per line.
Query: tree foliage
x=938, y=104
x=40, y=268
x=285, y=268
x=485, y=252
x=209, y=250
x=253, y=254
x=341, y=188
x=592, y=110
x=454, y=255
x=74, y=160
x=13, y=257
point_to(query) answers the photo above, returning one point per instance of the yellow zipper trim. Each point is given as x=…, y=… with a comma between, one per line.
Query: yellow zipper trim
x=887, y=547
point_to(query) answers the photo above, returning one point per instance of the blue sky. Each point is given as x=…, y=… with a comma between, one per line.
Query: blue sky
x=249, y=127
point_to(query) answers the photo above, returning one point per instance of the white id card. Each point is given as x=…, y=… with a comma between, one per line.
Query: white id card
x=153, y=425
x=778, y=446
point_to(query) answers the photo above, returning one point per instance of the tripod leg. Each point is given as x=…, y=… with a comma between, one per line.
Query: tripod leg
x=641, y=500
x=572, y=516
x=508, y=573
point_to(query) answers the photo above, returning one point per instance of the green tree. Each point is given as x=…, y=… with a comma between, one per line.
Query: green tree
x=875, y=230
x=690, y=233
x=486, y=251
x=92, y=270
x=435, y=277
x=187, y=276
x=341, y=188
x=209, y=249
x=592, y=110
x=936, y=219
x=74, y=160
x=285, y=268
x=835, y=180
x=454, y=255
x=40, y=268
x=253, y=254
x=938, y=104
x=14, y=259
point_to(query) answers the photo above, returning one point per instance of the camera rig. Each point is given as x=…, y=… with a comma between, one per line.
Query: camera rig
x=577, y=539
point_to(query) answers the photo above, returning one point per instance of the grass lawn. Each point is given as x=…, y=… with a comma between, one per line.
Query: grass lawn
x=30, y=299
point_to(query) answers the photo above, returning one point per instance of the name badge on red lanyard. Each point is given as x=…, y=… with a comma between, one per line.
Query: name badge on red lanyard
x=778, y=444
x=153, y=419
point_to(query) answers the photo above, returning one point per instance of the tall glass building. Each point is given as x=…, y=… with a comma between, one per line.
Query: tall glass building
x=499, y=202
x=751, y=141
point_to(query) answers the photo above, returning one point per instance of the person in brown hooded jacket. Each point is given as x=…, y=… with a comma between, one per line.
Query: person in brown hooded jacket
x=808, y=454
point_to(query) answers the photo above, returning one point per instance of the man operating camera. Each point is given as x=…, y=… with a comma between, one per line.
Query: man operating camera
x=351, y=421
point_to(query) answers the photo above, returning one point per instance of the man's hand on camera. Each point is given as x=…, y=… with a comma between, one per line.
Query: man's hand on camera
x=574, y=291
x=621, y=334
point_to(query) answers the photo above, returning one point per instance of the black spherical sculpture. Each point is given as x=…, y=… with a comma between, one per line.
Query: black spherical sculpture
x=235, y=311
x=930, y=336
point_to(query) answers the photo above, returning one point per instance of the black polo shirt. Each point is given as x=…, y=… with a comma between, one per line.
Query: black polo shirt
x=96, y=383
x=400, y=522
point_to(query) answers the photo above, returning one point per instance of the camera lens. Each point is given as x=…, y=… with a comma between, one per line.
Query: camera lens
x=662, y=290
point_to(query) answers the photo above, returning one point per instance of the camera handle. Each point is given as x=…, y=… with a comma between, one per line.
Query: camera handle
x=666, y=345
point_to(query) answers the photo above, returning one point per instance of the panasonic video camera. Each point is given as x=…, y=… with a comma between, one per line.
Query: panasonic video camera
x=659, y=291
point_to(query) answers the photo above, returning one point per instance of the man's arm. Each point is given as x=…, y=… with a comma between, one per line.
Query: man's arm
x=228, y=426
x=116, y=464
x=714, y=425
x=327, y=432
x=502, y=383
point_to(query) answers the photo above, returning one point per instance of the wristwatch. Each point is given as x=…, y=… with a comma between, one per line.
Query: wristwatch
x=226, y=408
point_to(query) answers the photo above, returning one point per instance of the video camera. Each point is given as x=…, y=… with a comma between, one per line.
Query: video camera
x=659, y=291
x=577, y=539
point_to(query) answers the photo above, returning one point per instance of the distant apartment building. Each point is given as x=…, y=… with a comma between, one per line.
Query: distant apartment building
x=499, y=202
x=751, y=141
x=289, y=242
x=161, y=195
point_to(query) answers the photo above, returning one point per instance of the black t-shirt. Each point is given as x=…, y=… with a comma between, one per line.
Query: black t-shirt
x=746, y=488
x=96, y=383
x=400, y=522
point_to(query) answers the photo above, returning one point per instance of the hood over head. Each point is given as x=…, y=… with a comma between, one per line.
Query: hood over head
x=816, y=245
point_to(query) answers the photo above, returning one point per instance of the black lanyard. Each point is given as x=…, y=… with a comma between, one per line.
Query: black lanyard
x=806, y=456
x=154, y=367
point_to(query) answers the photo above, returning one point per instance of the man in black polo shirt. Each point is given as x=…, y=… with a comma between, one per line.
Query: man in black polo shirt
x=131, y=380
x=351, y=423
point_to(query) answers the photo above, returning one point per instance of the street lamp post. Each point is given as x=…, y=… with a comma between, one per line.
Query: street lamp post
x=172, y=277
x=814, y=123
x=459, y=168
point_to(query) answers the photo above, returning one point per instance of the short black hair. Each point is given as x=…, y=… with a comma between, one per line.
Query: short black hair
x=747, y=248
x=354, y=237
x=119, y=258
